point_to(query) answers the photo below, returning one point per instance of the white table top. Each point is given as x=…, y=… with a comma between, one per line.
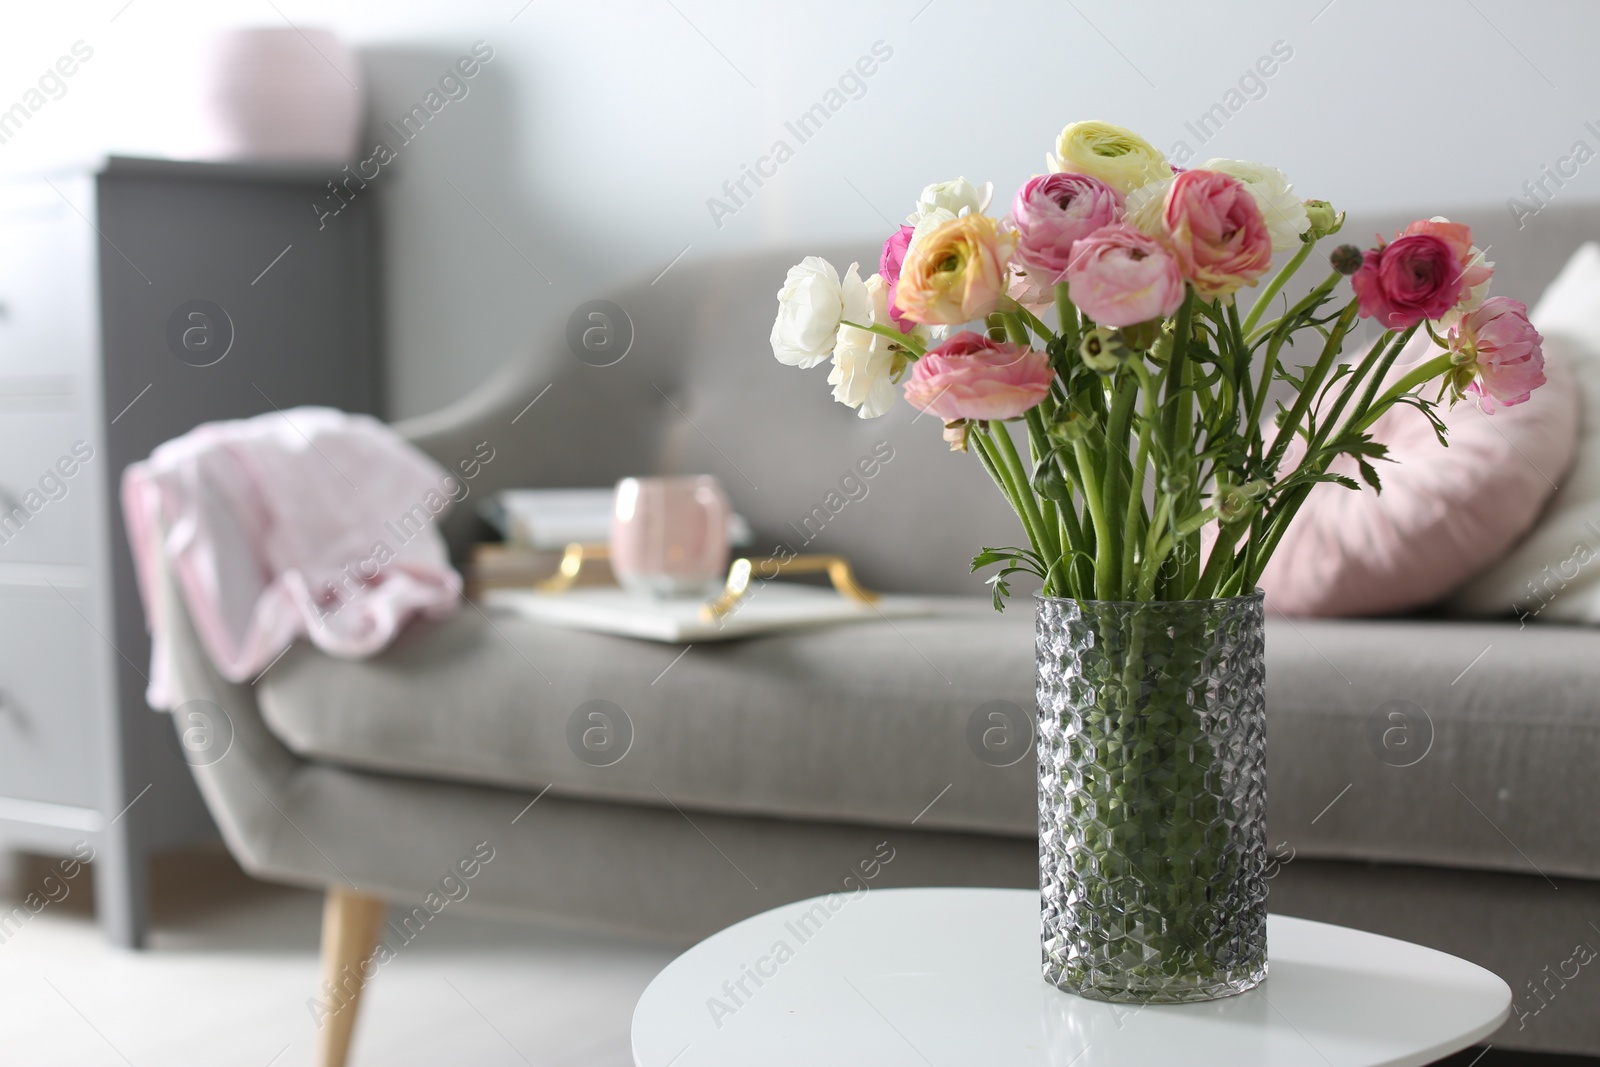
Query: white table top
x=950, y=978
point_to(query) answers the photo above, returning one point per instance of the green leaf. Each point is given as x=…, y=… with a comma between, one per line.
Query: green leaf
x=1018, y=559
x=986, y=557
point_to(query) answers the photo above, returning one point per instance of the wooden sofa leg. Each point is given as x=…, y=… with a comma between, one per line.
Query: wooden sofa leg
x=350, y=925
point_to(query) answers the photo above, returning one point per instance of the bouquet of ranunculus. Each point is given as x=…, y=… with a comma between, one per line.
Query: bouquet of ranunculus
x=1100, y=314
x=1154, y=489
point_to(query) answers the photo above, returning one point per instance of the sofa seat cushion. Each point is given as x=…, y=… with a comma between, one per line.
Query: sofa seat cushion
x=1462, y=744
x=859, y=723
x=1380, y=747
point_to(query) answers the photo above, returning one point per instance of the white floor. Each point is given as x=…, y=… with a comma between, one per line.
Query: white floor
x=232, y=962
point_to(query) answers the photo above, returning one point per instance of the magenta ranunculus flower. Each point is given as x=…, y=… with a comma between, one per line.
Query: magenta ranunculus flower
x=1119, y=276
x=1502, y=352
x=1476, y=270
x=894, y=255
x=1216, y=230
x=1417, y=276
x=972, y=377
x=1051, y=213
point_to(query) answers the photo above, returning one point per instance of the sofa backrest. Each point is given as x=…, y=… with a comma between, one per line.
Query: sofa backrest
x=699, y=392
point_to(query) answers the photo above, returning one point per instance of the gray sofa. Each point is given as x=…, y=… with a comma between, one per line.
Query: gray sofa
x=766, y=770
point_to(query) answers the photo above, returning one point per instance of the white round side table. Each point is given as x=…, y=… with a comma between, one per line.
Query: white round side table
x=950, y=978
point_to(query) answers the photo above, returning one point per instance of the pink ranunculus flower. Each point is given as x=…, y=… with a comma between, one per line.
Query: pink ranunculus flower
x=894, y=256
x=1216, y=231
x=1119, y=276
x=1476, y=270
x=1500, y=351
x=972, y=377
x=1415, y=277
x=1051, y=213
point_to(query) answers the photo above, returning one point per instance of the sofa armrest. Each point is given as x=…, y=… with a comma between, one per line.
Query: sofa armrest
x=244, y=779
x=450, y=432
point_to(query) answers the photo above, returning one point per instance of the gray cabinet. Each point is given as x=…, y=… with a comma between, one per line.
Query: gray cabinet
x=139, y=298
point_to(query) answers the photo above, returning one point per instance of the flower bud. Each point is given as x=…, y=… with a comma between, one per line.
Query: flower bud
x=1161, y=351
x=1347, y=259
x=1142, y=335
x=1103, y=349
x=1237, y=503
x=1070, y=426
x=1325, y=222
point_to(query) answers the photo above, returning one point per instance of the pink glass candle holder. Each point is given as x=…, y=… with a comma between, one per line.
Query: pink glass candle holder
x=669, y=536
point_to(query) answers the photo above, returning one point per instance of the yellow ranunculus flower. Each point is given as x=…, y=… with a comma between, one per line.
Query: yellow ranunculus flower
x=1120, y=158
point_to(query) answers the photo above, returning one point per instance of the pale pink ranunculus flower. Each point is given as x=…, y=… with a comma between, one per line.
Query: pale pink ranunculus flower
x=1051, y=212
x=1119, y=276
x=1503, y=353
x=1215, y=228
x=972, y=377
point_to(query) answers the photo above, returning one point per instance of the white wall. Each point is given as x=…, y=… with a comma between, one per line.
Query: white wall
x=595, y=137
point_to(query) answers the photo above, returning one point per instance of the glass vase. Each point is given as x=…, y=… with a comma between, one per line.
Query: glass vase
x=1152, y=798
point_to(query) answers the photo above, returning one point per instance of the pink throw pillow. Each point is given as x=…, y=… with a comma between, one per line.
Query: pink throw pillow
x=1444, y=514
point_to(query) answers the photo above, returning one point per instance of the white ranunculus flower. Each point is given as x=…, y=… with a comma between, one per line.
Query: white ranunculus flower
x=958, y=197
x=1285, y=213
x=810, y=305
x=863, y=361
x=1144, y=206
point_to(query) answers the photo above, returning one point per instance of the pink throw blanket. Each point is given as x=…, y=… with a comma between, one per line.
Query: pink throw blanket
x=305, y=523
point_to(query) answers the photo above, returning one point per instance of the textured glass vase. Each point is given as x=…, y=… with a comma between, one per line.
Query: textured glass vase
x=1152, y=798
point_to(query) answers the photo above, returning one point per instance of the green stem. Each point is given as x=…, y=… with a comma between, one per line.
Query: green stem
x=1039, y=446
x=1094, y=500
x=1309, y=302
x=1043, y=538
x=1132, y=525
x=1221, y=556
x=1422, y=374
x=1004, y=477
x=1313, y=380
x=1265, y=299
x=1281, y=330
x=1133, y=532
x=1114, y=485
x=1372, y=370
x=904, y=340
x=1262, y=551
x=1153, y=558
x=1067, y=314
x=1181, y=340
x=1016, y=328
x=1269, y=367
x=1033, y=323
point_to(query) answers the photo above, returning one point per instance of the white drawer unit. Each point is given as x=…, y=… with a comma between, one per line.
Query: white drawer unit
x=47, y=280
x=46, y=486
x=96, y=262
x=47, y=738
